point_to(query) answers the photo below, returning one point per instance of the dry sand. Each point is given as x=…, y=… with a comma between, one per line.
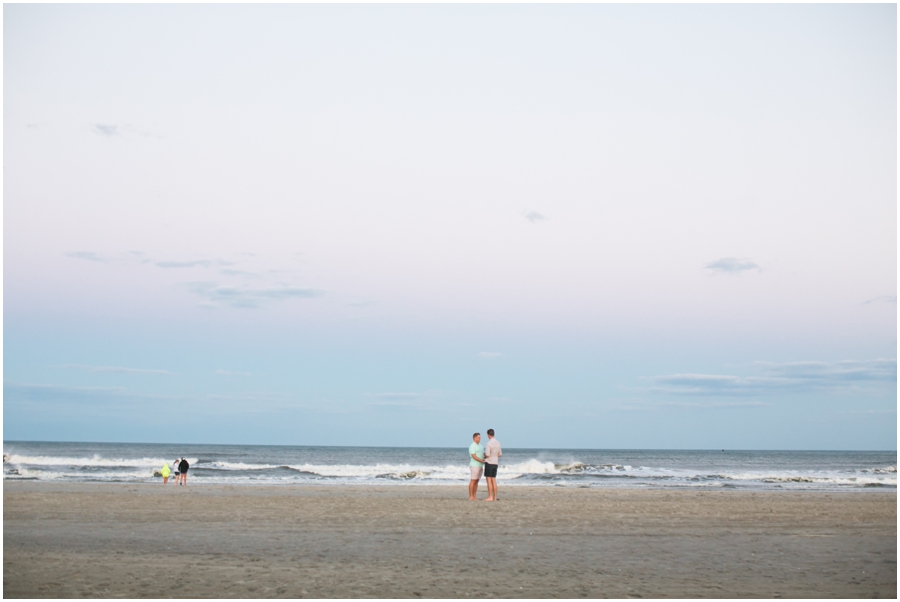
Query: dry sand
x=92, y=540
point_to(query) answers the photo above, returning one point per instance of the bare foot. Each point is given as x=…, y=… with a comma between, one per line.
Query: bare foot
x=490, y=500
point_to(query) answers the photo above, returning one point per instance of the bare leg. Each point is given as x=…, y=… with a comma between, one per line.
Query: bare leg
x=473, y=489
x=492, y=488
x=165, y=480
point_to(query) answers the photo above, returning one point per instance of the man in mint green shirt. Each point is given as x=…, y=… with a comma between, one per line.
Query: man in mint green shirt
x=476, y=464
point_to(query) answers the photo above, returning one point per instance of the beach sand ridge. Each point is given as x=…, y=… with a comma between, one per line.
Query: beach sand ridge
x=113, y=540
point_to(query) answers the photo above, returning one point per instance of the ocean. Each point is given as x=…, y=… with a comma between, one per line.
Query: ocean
x=300, y=465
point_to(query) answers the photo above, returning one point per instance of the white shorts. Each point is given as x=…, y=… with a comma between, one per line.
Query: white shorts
x=476, y=471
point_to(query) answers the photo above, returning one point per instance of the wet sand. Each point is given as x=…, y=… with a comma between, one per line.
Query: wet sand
x=116, y=540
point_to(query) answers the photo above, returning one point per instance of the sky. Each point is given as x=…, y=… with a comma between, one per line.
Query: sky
x=584, y=226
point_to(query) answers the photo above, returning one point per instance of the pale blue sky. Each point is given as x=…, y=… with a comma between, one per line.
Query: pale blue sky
x=583, y=226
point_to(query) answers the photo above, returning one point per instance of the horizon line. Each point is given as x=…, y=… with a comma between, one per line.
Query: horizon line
x=610, y=449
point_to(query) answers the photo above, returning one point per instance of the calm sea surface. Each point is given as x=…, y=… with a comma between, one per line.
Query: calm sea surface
x=260, y=464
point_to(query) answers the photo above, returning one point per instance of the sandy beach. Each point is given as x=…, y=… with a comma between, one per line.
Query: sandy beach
x=110, y=540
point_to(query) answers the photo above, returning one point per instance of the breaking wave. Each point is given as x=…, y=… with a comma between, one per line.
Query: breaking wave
x=258, y=464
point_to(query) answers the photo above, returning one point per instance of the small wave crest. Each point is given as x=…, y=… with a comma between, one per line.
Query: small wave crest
x=94, y=461
x=412, y=474
x=883, y=470
x=820, y=479
x=234, y=466
x=589, y=470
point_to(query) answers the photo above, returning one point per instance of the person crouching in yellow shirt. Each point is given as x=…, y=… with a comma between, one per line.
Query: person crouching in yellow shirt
x=165, y=473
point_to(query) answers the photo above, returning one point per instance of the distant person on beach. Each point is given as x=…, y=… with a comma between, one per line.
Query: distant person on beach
x=492, y=453
x=476, y=464
x=165, y=472
x=183, y=467
x=176, y=472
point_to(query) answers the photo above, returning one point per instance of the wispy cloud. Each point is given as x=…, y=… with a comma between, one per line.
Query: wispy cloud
x=38, y=392
x=115, y=129
x=257, y=401
x=849, y=370
x=240, y=273
x=202, y=263
x=731, y=265
x=639, y=405
x=58, y=400
x=489, y=355
x=881, y=299
x=414, y=401
x=231, y=373
x=411, y=404
x=216, y=294
x=141, y=258
x=89, y=256
x=714, y=384
x=116, y=369
x=395, y=396
x=797, y=377
x=248, y=298
x=129, y=257
x=105, y=129
x=535, y=217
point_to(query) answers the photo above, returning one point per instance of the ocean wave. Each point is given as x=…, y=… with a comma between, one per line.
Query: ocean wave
x=526, y=471
x=884, y=470
x=857, y=481
x=411, y=471
x=383, y=471
x=412, y=474
x=200, y=464
x=831, y=479
x=22, y=473
x=94, y=461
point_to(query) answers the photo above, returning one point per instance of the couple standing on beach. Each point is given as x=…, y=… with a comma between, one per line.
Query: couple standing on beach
x=180, y=470
x=485, y=460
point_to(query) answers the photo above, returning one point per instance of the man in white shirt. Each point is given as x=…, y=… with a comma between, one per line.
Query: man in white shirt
x=492, y=453
x=476, y=465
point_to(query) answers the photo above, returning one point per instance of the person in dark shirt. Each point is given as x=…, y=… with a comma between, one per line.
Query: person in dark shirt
x=183, y=467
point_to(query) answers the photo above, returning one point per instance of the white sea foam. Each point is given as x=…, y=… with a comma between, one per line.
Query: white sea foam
x=883, y=470
x=95, y=460
x=797, y=477
x=277, y=467
x=233, y=466
x=57, y=475
x=409, y=471
x=397, y=471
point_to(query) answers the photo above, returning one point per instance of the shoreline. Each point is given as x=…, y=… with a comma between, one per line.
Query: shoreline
x=118, y=539
x=512, y=484
x=278, y=465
